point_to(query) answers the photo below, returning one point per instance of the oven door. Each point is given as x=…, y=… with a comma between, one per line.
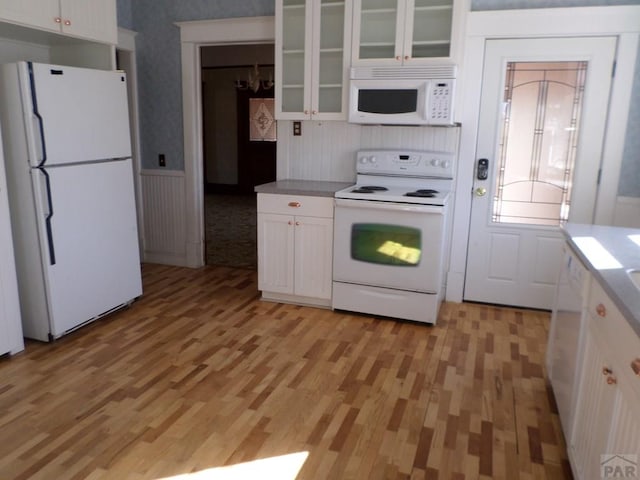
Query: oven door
x=388, y=245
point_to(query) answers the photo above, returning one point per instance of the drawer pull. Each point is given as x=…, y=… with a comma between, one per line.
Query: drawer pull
x=611, y=380
x=295, y=204
x=601, y=310
x=57, y=20
x=635, y=366
x=606, y=371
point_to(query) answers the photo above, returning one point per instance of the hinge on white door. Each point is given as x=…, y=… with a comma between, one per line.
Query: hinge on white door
x=599, y=177
x=613, y=69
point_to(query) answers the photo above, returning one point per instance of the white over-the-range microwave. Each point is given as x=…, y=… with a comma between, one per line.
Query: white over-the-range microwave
x=405, y=95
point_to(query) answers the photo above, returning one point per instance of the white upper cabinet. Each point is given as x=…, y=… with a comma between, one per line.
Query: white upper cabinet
x=88, y=19
x=35, y=13
x=312, y=59
x=398, y=32
x=92, y=19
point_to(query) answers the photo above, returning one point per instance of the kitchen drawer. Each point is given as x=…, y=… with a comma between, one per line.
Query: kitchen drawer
x=615, y=330
x=295, y=205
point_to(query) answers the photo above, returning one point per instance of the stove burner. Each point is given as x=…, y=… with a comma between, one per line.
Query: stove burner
x=423, y=193
x=369, y=189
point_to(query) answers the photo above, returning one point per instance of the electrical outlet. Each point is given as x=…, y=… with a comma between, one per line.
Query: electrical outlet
x=297, y=129
x=161, y=160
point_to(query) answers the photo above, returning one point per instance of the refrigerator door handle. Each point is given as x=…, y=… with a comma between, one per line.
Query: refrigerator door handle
x=48, y=213
x=37, y=122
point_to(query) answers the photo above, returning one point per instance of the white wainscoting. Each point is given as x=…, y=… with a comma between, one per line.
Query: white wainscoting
x=627, y=212
x=163, y=198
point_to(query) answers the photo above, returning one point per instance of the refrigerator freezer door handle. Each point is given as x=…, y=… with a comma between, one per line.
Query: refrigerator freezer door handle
x=36, y=119
x=48, y=214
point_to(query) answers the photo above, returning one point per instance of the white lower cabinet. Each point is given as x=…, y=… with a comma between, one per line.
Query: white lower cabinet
x=596, y=399
x=605, y=442
x=295, y=248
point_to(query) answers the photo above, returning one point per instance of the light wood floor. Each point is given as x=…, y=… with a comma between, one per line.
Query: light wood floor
x=200, y=374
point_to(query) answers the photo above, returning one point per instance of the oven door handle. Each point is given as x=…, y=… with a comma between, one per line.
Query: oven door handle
x=396, y=207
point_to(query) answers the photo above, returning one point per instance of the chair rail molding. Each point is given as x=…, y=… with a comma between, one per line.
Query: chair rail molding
x=193, y=35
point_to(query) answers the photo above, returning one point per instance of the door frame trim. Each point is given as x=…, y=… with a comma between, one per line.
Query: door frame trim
x=620, y=21
x=193, y=35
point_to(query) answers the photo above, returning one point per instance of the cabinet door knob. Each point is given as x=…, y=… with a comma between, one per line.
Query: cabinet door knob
x=306, y=112
x=297, y=223
x=606, y=371
x=314, y=112
x=611, y=380
x=290, y=222
x=601, y=310
x=295, y=204
x=57, y=20
x=67, y=22
x=398, y=58
x=635, y=366
x=407, y=57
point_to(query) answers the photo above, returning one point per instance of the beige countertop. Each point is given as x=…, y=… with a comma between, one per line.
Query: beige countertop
x=302, y=187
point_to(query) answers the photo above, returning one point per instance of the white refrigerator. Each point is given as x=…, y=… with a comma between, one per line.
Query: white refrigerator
x=65, y=132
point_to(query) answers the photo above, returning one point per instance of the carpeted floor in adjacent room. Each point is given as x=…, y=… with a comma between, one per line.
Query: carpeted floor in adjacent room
x=230, y=230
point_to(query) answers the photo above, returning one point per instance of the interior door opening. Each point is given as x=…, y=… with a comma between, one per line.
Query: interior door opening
x=238, y=145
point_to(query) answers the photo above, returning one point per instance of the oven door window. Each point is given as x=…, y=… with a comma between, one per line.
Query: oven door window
x=386, y=244
x=387, y=101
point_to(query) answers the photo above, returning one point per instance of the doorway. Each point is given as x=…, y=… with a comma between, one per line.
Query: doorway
x=237, y=94
x=543, y=118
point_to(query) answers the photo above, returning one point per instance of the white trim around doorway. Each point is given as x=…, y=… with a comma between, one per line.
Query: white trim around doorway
x=193, y=35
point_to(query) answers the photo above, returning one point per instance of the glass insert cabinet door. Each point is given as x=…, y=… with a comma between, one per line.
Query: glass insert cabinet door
x=295, y=36
x=330, y=63
x=402, y=30
x=431, y=29
x=537, y=146
x=311, y=49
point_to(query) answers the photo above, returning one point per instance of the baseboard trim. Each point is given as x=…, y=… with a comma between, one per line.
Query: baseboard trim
x=163, y=258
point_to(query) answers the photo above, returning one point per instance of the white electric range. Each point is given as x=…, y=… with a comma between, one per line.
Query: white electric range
x=389, y=234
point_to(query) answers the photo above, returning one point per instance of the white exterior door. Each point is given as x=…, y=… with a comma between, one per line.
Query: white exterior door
x=541, y=129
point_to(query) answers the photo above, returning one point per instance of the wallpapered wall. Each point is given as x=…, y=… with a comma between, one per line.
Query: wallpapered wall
x=159, y=75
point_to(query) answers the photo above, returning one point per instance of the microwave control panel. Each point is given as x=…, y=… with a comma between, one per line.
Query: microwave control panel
x=440, y=107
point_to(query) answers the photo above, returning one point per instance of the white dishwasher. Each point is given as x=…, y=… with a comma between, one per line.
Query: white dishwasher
x=565, y=335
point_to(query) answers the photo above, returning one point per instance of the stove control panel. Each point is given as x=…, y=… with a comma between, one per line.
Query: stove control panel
x=413, y=163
